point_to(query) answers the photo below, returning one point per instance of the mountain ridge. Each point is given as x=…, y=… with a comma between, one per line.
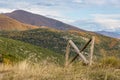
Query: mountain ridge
x=9, y=24
x=109, y=34
x=39, y=20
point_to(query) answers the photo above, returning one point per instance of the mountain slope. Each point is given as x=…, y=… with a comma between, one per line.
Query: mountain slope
x=110, y=34
x=13, y=50
x=56, y=40
x=9, y=24
x=38, y=20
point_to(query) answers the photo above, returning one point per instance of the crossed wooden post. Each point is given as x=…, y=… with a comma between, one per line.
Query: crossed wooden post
x=79, y=52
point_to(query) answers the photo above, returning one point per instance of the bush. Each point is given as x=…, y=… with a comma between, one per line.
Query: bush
x=110, y=62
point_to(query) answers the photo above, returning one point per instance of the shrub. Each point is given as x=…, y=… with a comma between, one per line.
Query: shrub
x=110, y=62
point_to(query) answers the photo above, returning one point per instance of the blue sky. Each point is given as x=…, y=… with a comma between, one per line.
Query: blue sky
x=103, y=14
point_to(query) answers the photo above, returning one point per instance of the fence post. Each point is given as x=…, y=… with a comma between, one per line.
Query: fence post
x=67, y=54
x=91, y=51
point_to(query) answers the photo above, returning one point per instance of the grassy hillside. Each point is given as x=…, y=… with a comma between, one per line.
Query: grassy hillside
x=57, y=40
x=50, y=71
x=12, y=51
x=106, y=68
x=10, y=24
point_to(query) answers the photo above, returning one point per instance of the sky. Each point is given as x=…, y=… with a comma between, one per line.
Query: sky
x=93, y=15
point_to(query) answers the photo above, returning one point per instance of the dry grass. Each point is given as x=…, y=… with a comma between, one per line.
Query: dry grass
x=9, y=24
x=51, y=71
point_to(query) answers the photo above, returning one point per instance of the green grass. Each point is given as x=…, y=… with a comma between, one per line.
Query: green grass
x=13, y=50
x=57, y=40
x=31, y=61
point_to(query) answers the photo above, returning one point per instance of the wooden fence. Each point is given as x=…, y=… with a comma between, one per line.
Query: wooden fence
x=79, y=52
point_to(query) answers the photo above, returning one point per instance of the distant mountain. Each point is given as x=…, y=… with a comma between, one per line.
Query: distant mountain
x=10, y=24
x=91, y=25
x=38, y=20
x=110, y=34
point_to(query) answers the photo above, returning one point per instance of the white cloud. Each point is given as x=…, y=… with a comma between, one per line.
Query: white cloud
x=4, y=10
x=49, y=13
x=108, y=24
x=78, y=1
x=98, y=22
x=101, y=3
x=113, y=16
x=28, y=6
x=61, y=18
x=95, y=2
x=45, y=11
x=67, y=6
x=109, y=21
x=34, y=8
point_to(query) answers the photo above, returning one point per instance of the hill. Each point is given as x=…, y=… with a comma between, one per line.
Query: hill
x=39, y=20
x=10, y=24
x=14, y=51
x=56, y=40
x=107, y=68
x=110, y=34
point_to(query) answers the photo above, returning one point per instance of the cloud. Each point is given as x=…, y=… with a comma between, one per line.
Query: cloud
x=113, y=16
x=88, y=24
x=78, y=1
x=108, y=24
x=28, y=6
x=109, y=21
x=68, y=10
x=60, y=3
x=99, y=22
x=95, y=2
x=4, y=10
x=61, y=18
x=100, y=3
x=46, y=4
x=45, y=11
x=53, y=8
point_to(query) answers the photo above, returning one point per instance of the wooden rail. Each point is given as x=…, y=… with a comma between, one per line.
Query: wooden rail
x=79, y=52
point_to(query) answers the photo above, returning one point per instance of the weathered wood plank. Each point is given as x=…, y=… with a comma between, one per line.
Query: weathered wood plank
x=81, y=51
x=67, y=54
x=78, y=52
x=91, y=50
